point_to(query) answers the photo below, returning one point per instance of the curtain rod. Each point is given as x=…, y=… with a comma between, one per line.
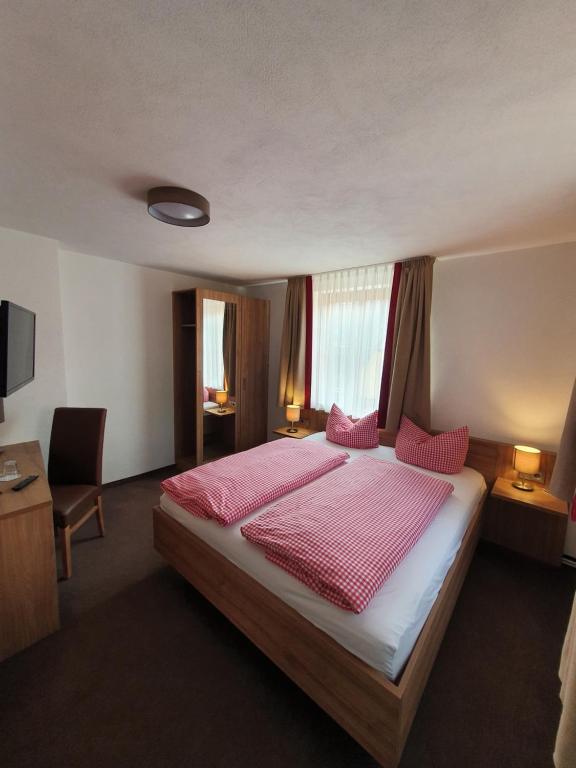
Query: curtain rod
x=364, y=266
x=331, y=271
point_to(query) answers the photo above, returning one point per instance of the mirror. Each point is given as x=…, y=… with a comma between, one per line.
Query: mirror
x=219, y=377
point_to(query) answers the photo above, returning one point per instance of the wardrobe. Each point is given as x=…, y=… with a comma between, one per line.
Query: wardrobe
x=221, y=343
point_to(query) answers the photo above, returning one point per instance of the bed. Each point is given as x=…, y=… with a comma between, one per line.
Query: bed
x=384, y=634
x=367, y=671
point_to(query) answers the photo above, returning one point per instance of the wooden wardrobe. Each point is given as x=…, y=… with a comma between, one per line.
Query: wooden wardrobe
x=245, y=424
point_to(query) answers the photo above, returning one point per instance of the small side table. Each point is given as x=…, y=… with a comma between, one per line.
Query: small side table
x=227, y=411
x=302, y=432
x=532, y=523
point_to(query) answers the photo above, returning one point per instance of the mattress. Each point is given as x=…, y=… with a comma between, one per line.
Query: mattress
x=384, y=634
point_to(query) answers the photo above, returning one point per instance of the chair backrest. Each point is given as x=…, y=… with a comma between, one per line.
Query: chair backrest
x=76, y=446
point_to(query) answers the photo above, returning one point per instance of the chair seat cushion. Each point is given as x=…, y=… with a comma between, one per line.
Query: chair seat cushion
x=71, y=502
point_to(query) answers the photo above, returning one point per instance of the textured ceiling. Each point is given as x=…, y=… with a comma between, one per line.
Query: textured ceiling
x=324, y=133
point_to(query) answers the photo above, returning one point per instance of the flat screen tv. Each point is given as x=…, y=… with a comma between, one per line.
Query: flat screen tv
x=17, y=338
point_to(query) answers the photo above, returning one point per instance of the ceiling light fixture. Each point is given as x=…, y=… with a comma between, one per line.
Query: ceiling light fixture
x=177, y=206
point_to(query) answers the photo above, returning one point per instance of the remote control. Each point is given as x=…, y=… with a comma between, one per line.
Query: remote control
x=23, y=483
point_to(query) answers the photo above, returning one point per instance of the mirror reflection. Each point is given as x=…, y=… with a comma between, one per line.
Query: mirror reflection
x=219, y=377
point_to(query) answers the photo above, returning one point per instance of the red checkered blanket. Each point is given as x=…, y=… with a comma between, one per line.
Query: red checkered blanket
x=345, y=534
x=229, y=489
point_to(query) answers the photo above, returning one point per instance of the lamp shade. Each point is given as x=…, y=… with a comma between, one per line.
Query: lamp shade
x=526, y=459
x=292, y=413
x=221, y=396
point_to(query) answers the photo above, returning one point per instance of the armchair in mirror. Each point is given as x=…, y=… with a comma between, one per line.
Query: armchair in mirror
x=219, y=378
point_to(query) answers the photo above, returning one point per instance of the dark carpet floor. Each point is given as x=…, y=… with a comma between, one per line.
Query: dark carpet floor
x=146, y=673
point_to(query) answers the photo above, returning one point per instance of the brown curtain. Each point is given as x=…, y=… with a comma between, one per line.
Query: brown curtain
x=229, y=348
x=563, y=481
x=410, y=379
x=293, y=351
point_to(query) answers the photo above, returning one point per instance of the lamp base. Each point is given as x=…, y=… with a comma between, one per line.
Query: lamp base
x=522, y=485
x=291, y=430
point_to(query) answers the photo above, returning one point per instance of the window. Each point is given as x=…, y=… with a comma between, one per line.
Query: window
x=350, y=311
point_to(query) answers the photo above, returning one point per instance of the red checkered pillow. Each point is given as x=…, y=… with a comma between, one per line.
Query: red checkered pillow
x=445, y=452
x=360, y=434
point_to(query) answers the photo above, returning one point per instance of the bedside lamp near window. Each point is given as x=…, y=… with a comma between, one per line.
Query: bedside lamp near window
x=526, y=461
x=221, y=396
x=292, y=415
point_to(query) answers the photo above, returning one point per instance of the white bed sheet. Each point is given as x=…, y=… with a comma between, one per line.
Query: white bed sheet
x=384, y=634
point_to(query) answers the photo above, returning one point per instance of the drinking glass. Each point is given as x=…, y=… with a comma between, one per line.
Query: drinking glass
x=9, y=470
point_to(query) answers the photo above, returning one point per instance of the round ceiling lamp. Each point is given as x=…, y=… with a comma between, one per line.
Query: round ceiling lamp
x=180, y=207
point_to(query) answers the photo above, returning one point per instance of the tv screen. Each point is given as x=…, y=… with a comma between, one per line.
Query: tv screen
x=17, y=336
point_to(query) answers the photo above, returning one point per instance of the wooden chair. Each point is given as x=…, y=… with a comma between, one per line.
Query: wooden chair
x=75, y=472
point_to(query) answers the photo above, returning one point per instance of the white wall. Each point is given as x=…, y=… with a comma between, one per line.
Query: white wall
x=504, y=346
x=103, y=338
x=29, y=277
x=276, y=292
x=504, y=343
x=117, y=321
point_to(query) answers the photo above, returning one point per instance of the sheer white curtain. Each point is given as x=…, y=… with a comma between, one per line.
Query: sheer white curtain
x=212, y=338
x=350, y=316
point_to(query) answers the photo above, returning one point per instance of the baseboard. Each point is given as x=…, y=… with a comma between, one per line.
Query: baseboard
x=132, y=478
x=569, y=560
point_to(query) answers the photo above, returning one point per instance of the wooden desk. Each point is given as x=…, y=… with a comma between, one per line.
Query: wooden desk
x=28, y=589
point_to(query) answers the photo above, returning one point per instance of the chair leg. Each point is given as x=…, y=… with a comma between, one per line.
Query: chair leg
x=65, y=536
x=100, y=515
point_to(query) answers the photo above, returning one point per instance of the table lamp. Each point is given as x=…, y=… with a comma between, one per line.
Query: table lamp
x=221, y=396
x=526, y=461
x=292, y=415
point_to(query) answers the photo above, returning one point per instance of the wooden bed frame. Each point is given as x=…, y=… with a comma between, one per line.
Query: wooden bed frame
x=376, y=712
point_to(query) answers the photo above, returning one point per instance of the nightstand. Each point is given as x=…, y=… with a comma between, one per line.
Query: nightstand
x=302, y=432
x=530, y=522
x=229, y=409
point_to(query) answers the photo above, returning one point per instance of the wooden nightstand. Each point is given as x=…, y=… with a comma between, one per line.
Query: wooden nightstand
x=532, y=523
x=302, y=432
x=229, y=409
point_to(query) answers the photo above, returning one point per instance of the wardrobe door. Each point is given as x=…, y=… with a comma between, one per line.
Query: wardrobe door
x=253, y=368
x=184, y=335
